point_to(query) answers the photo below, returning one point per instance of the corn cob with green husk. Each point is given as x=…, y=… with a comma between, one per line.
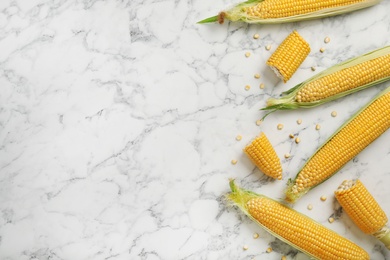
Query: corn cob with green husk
x=338, y=81
x=363, y=209
x=284, y=11
x=294, y=228
x=349, y=140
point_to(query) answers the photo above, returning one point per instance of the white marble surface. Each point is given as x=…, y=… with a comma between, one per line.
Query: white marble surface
x=118, y=122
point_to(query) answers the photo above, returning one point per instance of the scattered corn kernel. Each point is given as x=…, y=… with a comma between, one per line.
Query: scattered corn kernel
x=323, y=198
x=331, y=220
x=284, y=258
x=327, y=40
x=257, y=76
x=268, y=47
x=318, y=127
x=280, y=126
x=247, y=87
x=287, y=155
x=334, y=113
x=238, y=137
x=297, y=140
x=299, y=121
x=255, y=236
x=247, y=54
x=291, y=136
x=245, y=247
x=234, y=162
x=322, y=50
x=313, y=68
x=262, y=85
x=269, y=249
x=309, y=207
x=256, y=36
x=258, y=122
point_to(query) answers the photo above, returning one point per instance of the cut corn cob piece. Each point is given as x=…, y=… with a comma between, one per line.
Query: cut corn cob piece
x=338, y=81
x=289, y=56
x=294, y=228
x=350, y=139
x=284, y=11
x=263, y=155
x=363, y=209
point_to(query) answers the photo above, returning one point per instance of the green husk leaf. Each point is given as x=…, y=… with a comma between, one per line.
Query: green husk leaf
x=288, y=101
x=237, y=13
x=211, y=19
x=290, y=195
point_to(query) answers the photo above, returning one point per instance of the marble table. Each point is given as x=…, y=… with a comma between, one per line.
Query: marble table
x=118, y=122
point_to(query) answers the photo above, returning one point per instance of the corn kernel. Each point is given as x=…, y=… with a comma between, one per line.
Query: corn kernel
x=284, y=258
x=327, y=40
x=299, y=121
x=255, y=236
x=291, y=136
x=333, y=114
x=258, y=122
x=309, y=207
x=262, y=85
x=323, y=198
x=238, y=137
x=234, y=162
x=268, y=47
x=318, y=127
x=257, y=76
x=269, y=249
x=245, y=247
x=297, y=140
x=313, y=68
x=287, y=155
x=247, y=54
x=331, y=220
x=322, y=50
x=256, y=36
x=280, y=126
x=247, y=87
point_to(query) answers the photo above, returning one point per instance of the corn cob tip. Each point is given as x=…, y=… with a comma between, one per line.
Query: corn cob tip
x=384, y=236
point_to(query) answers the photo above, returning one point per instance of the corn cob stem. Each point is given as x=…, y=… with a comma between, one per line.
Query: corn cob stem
x=363, y=209
x=294, y=228
x=284, y=11
x=349, y=140
x=340, y=80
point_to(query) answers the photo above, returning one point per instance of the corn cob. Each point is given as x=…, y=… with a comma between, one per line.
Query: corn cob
x=363, y=209
x=350, y=139
x=284, y=11
x=289, y=56
x=263, y=155
x=294, y=228
x=338, y=81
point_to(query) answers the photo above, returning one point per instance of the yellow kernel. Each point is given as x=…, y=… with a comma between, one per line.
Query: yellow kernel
x=245, y=247
x=323, y=198
x=268, y=47
x=269, y=249
x=255, y=236
x=284, y=258
x=258, y=122
x=334, y=113
x=322, y=50
x=327, y=40
x=234, y=162
x=280, y=126
x=291, y=136
x=297, y=140
x=262, y=85
x=309, y=207
x=256, y=36
x=257, y=76
x=247, y=54
x=318, y=127
x=299, y=121
x=238, y=137
x=313, y=68
x=331, y=220
x=247, y=87
x=287, y=155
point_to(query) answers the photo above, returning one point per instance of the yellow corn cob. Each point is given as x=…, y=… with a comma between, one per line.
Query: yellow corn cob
x=357, y=133
x=294, y=228
x=363, y=209
x=282, y=11
x=289, y=56
x=338, y=81
x=263, y=155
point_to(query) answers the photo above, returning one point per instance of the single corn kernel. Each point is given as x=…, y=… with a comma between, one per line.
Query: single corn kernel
x=291, y=136
x=268, y=47
x=309, y=207
x=234, y=162
x=297, y=140
x=327, y=40
x=287, y=155
x=313, y=68
x=247, y=87
x=258, y=122
x=245, y=247
x=255, y=236
x=331, y=220
x=284, y=258
x=333, y=114
x=247, y=54
x=280, y=126
x=256, y=36
x=322, y=50
x=257, y=76
x=318, y=127
x=262, y=86
x=269, y=249
x=323, y=198
x=238, y=137
x=299, y=121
